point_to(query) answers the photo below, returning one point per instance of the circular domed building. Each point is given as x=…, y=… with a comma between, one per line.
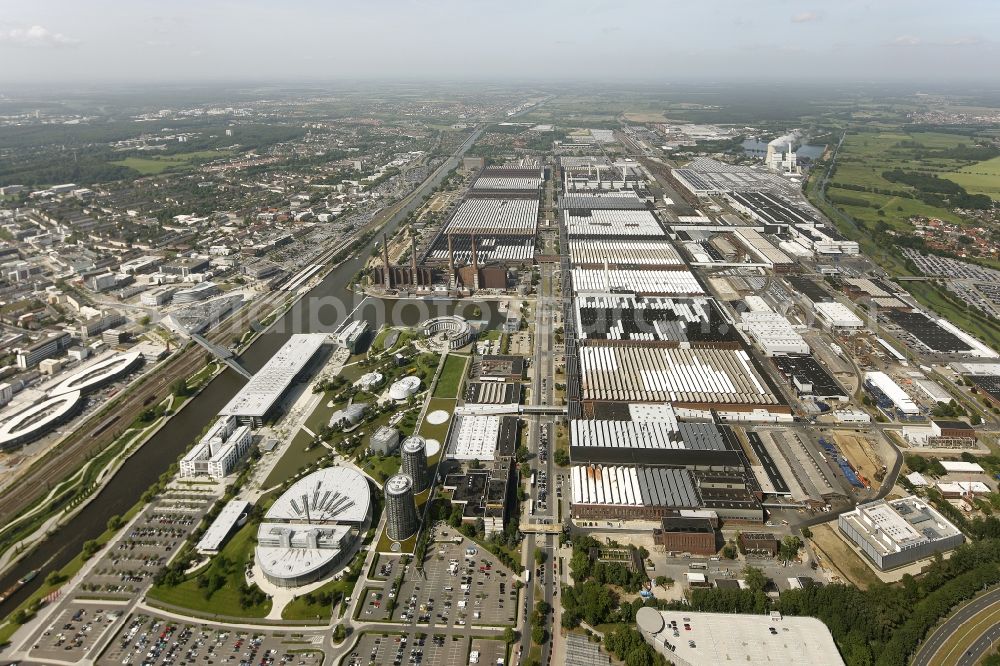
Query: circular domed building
x=313, y=528
x=454, y=330
x=403, y=388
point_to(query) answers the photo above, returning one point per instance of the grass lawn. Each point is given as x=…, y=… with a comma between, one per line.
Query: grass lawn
x=864, y=157
x=230, y=564
x=450, y=380
x=979, y=178
x=381, y=468
x=148, y=166
x=295, y=458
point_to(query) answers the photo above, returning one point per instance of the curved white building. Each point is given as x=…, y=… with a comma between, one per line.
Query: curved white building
x=96, y=375
x=311, y=530
x=456, y=330
x=403, y=388
x=36, y=421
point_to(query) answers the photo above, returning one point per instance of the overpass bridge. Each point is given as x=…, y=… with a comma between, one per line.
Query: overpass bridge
x=554, y=410
x=222, y=354
x=540, y=528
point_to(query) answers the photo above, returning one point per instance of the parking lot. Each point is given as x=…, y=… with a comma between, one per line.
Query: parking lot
x=409, y=649
x=73, y=633
x=487, y=652
x=386, y=567
x=462, y=585
x=149, y=640
x=127, y=566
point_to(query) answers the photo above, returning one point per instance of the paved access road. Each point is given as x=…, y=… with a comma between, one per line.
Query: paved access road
x=938, y=640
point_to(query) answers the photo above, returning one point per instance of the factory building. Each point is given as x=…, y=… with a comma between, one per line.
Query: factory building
x=679, y=534
x=896, y=533
x=773, y=333
x=614, y=223
x=837, y=317
x=598, y=252
x=890, y=396
x=626, y=317
x=646, y=373
x=639, y=282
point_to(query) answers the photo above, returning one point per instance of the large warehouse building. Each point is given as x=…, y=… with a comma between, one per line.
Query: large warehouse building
x=626, y=317
x=689, y=377
x=643, y=282
x=258, y=398
x=597, y=253
x=314, y=527
x=615, y=223
x=726, y=638
x=896, y=533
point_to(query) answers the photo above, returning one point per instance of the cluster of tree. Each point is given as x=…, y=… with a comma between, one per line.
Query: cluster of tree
x=250, y=596
x=948, y=410
x=789, y=547
x=937, y=191
x=923, y=465
x=588, y=601
x=628, y=645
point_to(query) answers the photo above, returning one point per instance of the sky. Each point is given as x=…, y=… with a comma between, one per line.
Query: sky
x=134, y=41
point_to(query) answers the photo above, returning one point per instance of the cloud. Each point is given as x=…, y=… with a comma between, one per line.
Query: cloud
x=36, y=35
x=805, y=17
x=910, y=40
x=906, y=40
x=964, y=41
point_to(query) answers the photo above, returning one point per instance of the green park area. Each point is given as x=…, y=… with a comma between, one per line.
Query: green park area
x=150, y=166
x=220, y=588
x=450, y=380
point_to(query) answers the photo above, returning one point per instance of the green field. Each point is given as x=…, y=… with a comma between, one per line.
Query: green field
x=450, y=380
x=150, y=166
x=979, y=178
x=226, y=600
x=864, y=157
